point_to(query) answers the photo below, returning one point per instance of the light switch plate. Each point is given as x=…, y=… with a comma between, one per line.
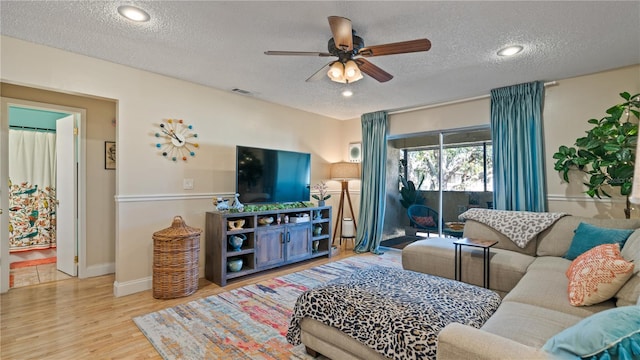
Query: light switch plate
x=187, y=184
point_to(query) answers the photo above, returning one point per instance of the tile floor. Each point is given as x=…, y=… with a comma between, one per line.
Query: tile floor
x=38, y=274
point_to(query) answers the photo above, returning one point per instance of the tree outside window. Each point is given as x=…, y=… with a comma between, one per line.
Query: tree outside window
x=466, y=167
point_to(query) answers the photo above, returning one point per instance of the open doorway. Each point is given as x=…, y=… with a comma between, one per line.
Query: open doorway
x=43, y=164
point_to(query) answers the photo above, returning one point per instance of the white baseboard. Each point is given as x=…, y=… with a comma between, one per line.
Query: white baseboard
x=98, y=270
x=132, y=287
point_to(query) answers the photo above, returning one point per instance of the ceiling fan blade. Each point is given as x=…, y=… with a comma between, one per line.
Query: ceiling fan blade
x=342, y=35
x=320, y=73
x=396, y=48
x=298, y=53
x=372, y=70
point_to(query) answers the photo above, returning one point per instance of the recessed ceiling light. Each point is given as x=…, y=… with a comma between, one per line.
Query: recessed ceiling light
x=347, y=93
x=510, y=50
x=133, y=13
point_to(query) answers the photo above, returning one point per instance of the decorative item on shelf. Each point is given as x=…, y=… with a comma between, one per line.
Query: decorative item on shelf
x=236, y=241
x=234, y=264
x=322, y=195
x=344, y=171
x=267, y=220
x=235, y=224
x=178, y=138
x=317, y=230
x=300, y=218
x=221, y=204
x=317, y=214
x=286, y=219
x=237, y=204
x=315, y=244
x=278, y=220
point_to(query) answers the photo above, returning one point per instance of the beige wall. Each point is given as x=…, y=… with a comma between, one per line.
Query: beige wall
x=149, y=187
x=568, y=106
x=100, y=213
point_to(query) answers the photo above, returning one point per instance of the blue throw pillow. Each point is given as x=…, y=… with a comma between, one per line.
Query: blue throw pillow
x=588, y=236
x=610, y=334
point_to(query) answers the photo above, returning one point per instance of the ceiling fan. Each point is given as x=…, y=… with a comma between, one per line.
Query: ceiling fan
x=351, y=53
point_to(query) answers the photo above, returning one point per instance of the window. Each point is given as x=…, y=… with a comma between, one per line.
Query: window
x=466, y=167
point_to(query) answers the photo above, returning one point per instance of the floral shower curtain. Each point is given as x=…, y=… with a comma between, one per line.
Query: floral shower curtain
x=32, y=164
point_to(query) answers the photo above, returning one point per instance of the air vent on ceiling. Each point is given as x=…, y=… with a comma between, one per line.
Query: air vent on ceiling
x=240, y=91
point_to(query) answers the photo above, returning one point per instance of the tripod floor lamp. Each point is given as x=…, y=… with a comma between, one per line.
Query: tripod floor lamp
x=343, y=172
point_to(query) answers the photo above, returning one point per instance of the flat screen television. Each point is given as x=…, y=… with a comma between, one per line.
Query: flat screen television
x=272, y=176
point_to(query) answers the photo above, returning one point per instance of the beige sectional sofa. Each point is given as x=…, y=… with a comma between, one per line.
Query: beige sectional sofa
x=533, y=284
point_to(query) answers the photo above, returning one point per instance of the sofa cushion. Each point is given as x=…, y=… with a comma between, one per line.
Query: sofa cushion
x=556, y=239
x=631, y=249
x=436, y=256
x=611, y=334
x=528, y=324
x=588, y=236
x=477, y=230
x=629, y=294
x=545, y=285
x=597, y=275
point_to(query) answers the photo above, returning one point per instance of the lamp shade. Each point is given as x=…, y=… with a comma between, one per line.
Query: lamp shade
x=345, y=171
x=336, y=72
x=351, y=71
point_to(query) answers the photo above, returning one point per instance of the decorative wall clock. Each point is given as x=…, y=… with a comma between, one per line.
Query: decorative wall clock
x=178, y=140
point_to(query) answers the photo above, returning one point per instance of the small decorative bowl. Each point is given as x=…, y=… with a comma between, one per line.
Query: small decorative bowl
x=455, y=226
x=265, y=220
x=235, y=224
x=234, y=265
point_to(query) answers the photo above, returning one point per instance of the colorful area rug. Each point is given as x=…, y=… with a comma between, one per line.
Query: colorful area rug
x=247, y=323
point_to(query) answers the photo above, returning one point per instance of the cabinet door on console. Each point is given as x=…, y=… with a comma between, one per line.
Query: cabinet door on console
x=298, y=242
x=269, y=248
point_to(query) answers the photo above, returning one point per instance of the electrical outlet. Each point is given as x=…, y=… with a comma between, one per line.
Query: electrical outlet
x=187, y=184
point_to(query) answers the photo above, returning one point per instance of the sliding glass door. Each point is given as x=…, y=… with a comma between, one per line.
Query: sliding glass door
x=452, y=170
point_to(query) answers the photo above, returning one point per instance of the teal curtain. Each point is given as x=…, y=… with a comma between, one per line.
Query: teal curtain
x=372, y=191
x=518, y=150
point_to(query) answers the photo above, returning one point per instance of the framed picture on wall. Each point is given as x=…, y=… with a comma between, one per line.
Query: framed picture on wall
x=355, y=152
x=110, y=155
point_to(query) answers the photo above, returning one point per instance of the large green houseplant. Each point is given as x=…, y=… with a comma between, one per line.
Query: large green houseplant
x=607, y=153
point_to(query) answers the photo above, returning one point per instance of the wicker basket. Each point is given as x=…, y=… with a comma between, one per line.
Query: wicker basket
x=175, y=260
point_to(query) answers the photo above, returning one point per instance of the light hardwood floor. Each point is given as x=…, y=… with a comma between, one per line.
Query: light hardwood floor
x=81, y=319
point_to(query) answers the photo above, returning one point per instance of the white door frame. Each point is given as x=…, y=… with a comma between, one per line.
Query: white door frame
x=80, y=115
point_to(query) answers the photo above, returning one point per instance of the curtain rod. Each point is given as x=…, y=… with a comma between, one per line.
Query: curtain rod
x=404, y=110
x=30, y=128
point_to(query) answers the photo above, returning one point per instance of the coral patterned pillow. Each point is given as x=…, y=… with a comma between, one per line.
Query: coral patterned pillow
x=597, y=275
x=426, y=221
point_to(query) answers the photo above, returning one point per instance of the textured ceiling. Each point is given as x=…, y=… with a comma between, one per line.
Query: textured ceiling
x=221, y=43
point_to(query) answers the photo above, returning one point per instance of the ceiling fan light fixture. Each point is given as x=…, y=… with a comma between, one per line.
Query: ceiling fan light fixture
x=352, y=72
x=336, y=72
x=510, y=50
x=133, y=13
